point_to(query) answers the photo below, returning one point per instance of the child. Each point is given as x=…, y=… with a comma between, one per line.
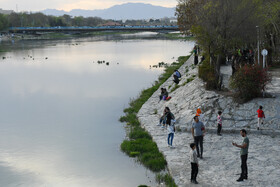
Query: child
x=194, y=163
x=260, y=116
x=200, y=115
x=219, y=122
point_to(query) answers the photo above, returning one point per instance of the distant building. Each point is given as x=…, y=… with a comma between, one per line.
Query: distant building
x=173, y=21
x=112, y=24
x=5, y=11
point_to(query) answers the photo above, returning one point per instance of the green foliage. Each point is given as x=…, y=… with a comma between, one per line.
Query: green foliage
x=188, y=80
x=3, y=22
x=175, y=88
x=155, y=161
x=140, y=144
x=177, y=36
x=131, y=118
x=155, y=111
x=147, y=153
x=183, y=59
x=139, y=133
x=167, y=179
x=136, y=104
x=249, y=82
x=142, y=185
x=207, y=74
x=134, y=154
x=221, y=26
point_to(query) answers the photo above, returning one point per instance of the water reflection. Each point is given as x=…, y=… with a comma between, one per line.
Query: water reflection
x=59, y=124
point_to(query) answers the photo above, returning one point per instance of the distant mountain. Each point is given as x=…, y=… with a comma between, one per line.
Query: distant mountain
x=124, y=11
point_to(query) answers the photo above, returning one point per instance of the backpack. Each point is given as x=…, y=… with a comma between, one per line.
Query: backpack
x=178, y=74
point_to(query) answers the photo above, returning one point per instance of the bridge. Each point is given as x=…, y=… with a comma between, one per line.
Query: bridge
x=34, y=30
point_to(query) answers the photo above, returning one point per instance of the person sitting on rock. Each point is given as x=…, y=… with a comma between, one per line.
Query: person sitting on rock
x=163, y=94
x=176, y=76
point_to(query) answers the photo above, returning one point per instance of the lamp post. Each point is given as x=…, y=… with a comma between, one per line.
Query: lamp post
x=258, y=37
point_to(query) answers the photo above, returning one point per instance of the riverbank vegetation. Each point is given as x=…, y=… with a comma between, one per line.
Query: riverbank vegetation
x=178, y=36
x=25, y=19
x=231, y=31
x=250, y=81
x=139, y=143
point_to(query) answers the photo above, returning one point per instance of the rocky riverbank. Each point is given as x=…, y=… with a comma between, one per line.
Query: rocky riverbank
x=221, y=163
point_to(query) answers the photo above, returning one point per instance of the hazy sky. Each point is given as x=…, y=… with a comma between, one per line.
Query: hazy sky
x=35, y=5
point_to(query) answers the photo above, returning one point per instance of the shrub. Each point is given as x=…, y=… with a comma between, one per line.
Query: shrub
x=154, y=161
x=167, y=179
x=147, y=152
x=249, y=82
x=139, y=133
x=134, y=154
x=207, y=73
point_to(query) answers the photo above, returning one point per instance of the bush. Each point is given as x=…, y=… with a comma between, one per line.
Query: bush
x=139, y=133
x=154, y=161
x=249, y=82
x=167, y=179
x=207, y=73
x=147, y=152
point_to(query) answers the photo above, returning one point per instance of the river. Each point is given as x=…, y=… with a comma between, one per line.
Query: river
x=60, y=109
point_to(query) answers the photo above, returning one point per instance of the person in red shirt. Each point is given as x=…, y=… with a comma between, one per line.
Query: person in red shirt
x=260, y=116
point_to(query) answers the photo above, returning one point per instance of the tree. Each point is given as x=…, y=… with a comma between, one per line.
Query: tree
x=270, y=11
x=3, y=22
x=220, y=26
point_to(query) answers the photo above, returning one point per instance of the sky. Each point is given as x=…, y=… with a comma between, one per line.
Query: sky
x=67, y=5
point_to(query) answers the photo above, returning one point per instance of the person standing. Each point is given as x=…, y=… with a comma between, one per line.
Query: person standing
x=260, y=116
x=219, y=123
x=243, y=155
x=170, y=132
x=162, y=119
x=198, y=131
x=194, y=163
x=200, y=115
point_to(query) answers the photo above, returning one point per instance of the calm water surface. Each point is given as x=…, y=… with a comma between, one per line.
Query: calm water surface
x=59, y=111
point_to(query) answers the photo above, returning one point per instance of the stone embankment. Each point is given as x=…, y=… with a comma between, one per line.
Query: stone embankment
x=221, y=163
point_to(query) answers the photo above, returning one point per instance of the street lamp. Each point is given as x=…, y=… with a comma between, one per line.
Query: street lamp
x=258, y=37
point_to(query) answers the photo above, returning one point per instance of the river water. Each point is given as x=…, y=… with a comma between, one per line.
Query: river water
x=60, y=108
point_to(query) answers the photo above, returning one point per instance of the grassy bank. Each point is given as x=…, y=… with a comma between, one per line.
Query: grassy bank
x=178, y=36
x=140, y=143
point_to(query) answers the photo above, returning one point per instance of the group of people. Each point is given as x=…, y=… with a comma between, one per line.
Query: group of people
x=167, y=120
x=198, y=132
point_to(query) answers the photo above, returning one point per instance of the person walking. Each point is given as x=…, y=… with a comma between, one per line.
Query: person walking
x=194, y=163
x=219, y=123
x=170, y=132
x=198, y=131
x=243, y=155
x=260, y=116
